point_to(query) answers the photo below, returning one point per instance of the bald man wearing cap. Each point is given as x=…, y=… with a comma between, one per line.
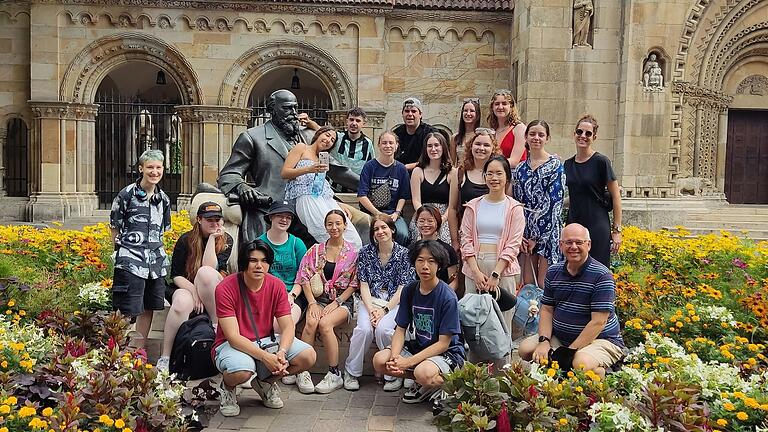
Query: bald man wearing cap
x=411, y=133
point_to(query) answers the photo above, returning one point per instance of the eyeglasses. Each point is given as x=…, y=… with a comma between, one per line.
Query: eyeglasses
x=494, y=174
x=475, y=100
x=580, y=132
x=570, y=243
x=485, y=131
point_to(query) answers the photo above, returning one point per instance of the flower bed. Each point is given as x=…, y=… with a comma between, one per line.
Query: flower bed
x=65, y=364
x=694, y=316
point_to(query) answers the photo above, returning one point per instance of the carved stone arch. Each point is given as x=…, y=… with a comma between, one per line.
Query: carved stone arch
x=94, y=62
x=259, y=60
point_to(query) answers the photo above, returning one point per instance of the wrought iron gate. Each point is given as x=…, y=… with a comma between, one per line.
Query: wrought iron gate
x=124, y=130
x=15, y=159
x=317, y=109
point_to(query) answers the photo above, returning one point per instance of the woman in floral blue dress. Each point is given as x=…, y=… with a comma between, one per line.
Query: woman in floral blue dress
x=539, y=185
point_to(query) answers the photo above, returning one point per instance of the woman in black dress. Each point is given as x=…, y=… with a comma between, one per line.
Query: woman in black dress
x=588, y=175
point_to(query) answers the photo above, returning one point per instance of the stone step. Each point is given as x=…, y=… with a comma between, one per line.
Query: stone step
x=756, y=235
x=720, y=217
x=734, y=210
x=726, y=224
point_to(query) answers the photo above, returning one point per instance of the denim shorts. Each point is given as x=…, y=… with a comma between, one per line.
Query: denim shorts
x=443, y=363
x=231, y=360
x=132, y=295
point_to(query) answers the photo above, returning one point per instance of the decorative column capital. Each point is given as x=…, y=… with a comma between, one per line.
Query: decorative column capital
x=697, y=95
x=213, y=114
x=64, y=110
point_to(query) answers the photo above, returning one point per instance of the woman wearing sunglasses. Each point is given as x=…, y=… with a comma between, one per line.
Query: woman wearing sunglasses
x=510, y=130
x=593, y=191
x=469, y=182
x=469, y=120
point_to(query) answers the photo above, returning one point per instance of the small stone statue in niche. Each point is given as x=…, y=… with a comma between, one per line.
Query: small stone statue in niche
x=653, y=77
x=582, y=20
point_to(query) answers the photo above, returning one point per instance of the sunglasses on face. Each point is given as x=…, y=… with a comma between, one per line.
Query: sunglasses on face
x=485, y=131
x=581, y=132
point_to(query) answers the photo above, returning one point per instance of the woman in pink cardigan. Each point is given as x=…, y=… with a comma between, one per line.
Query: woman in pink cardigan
x=491, y=233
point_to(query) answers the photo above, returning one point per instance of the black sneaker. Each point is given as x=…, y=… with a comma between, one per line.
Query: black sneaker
x=418, y=394
x=438, y=402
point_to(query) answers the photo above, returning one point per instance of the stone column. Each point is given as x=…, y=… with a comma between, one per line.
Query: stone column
x=3, y=142
x=208, y=132
x=62, y=160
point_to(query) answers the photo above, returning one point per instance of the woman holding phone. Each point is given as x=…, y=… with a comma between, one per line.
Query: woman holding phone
x=304, y=170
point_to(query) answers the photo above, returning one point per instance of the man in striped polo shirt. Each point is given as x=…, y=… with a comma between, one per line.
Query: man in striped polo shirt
x=578, y=326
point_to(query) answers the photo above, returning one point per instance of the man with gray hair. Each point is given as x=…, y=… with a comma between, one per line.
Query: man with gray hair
x=411, y=133
x=251, y=176
x=140, y=214
x=578, y=326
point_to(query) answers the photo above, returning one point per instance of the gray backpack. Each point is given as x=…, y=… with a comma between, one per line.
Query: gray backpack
x=483, y=327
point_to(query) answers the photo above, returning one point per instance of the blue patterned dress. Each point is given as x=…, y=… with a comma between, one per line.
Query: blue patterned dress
x=542, y=191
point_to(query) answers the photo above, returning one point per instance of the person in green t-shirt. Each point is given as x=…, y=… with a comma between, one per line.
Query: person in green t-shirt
x=289, y=250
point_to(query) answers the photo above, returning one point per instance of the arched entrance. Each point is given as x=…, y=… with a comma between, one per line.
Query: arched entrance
x=137, y=103
x=15, y=168
x=313, y=96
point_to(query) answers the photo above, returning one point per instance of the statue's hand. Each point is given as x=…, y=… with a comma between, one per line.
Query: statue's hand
x=251, y=197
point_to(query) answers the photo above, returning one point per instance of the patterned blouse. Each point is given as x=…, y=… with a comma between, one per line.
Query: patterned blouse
x=344, y=275
x=302, y=185
x=542, y=191
x=140, y=223
x=383, y=281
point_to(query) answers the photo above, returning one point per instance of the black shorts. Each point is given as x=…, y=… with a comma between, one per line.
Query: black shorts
x=132, y=295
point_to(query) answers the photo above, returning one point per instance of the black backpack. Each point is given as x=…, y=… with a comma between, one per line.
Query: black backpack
x=191, y=357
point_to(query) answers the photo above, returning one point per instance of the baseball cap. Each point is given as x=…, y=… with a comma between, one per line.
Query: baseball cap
x=280, y=207
x=413, y=102
x=209, y=209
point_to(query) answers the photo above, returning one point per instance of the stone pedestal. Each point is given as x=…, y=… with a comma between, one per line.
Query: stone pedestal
x=207, y=137
x=62, y=160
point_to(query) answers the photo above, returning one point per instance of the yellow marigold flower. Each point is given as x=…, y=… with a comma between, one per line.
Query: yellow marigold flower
x=4, y=364
x=47, y=411
x=27, y=411
x=656, y=322
x=722, y=422
x=651, y=350
x=127, y=430
x=751, y=403
x=11, y=303
x=741, y=415
x=3, y=429
x=563, y=421
x=119, y=423
x=551, y=372
x=738, y=394
x=5, y=409
x=679, y=324
x=106, y=420
x=579, y=389
x=10, y=400
x=729, y=406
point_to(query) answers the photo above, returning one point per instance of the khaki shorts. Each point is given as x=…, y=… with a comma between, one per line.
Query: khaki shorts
x=604, y=351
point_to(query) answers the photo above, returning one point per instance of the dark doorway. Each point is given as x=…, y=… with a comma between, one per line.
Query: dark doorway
x=312, y=95
x=15, y=159
x=136, y=113
x=746, y=157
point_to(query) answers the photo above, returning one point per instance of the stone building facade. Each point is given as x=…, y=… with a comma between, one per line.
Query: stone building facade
x=680, y=86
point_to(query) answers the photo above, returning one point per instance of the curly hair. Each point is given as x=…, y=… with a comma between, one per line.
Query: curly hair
x=468, y=163
x=514, y=116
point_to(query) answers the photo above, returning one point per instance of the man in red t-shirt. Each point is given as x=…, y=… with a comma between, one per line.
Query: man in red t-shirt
x=235, y=350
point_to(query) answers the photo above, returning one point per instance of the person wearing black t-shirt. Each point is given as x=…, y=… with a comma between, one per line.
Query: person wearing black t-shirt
x=411, y=133
x=199, y=258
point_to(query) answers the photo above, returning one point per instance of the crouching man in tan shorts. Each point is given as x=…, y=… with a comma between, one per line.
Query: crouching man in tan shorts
x=578, y=326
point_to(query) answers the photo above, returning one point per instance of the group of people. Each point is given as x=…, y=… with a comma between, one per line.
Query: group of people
x=488, y=204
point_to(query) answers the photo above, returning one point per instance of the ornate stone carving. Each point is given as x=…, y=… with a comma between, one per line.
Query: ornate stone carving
x=756, y=85
x=461, y=33
x=583, y=10
x=85, y=72
x=260, y=27
x=254, y=63
x=701, y=96
x=653, y=77
x=213, y=114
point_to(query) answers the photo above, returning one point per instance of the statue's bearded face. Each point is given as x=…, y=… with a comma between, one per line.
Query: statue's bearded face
x=285, y=113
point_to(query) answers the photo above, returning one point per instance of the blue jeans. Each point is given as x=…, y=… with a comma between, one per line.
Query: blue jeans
x=402, y=234
x=231, y=360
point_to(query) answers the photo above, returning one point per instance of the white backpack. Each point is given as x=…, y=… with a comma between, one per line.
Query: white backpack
x=484, y=327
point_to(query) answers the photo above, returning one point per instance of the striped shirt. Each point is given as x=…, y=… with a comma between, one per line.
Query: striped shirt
x=574, y=298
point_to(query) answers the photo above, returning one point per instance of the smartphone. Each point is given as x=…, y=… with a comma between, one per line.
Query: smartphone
x=325, y=158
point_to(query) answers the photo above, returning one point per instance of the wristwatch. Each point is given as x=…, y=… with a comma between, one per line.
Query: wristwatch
x=544, y=338
x=494, y=275
x=386, y=309
x=616, y=228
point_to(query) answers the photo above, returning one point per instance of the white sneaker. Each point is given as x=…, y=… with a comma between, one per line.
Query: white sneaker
x=394, y=385
x=163, y=363
x=331, y=382
x=350, y=382
x=229, y=406
x=289, y=379
x=408, y=383
x=304, y=382
x=269, y=394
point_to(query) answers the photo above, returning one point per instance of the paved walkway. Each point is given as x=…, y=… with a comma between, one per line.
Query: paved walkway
x=368, y=409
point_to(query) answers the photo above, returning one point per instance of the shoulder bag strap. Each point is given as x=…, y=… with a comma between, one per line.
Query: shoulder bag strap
x=244, y=296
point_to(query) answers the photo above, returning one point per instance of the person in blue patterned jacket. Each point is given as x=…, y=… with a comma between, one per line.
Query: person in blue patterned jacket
x=383, y=270
x=140, y=214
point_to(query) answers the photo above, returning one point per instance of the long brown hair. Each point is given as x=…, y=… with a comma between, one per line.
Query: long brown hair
x=196, y=248
x=514, y=116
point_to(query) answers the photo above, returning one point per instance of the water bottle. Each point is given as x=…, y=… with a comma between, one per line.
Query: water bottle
x=317, y=184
